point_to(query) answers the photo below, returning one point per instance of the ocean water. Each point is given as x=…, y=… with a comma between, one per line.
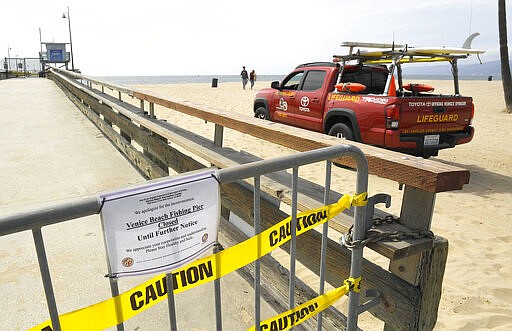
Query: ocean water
x=149, y=80
x=139, y=80
x=450, y=77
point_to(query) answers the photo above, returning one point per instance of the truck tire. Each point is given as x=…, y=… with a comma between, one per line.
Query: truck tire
x=262, y=113
x=341, y=130
x=428, y=154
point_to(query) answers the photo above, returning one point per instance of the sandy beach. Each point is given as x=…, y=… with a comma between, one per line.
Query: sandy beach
x=477, y=287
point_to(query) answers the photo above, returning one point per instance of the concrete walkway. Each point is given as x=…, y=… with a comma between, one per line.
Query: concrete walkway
x=50, y=151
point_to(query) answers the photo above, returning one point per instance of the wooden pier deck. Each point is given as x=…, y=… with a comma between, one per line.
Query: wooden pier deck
x=50, y=150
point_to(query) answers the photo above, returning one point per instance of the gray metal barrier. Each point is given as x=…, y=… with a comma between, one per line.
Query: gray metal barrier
x=34, y=220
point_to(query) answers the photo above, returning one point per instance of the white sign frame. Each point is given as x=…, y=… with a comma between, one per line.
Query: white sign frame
x=161, y=225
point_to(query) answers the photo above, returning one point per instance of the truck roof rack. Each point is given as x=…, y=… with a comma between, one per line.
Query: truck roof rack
x=396, y=55
x=318, y=64
x=378, y=53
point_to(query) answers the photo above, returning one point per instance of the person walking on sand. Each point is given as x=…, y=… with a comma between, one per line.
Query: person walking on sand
x=252, y=77
x=244, y=76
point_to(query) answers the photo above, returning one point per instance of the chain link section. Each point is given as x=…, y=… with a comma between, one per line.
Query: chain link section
x=374, y=234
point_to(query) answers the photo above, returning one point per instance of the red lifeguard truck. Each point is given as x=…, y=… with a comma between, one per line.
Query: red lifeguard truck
x=361, y=97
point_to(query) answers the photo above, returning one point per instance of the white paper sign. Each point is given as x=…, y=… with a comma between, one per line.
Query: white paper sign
x=162, y=225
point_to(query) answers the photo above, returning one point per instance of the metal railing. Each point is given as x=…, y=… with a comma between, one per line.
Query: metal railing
x=20, y=67
x=34, y=220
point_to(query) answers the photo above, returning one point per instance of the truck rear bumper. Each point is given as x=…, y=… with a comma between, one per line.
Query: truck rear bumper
x=416, y=143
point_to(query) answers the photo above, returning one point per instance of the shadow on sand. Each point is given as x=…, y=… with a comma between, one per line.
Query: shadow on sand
x=483, y=182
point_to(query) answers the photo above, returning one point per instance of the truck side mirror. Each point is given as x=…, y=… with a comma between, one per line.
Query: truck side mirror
x=275, y=85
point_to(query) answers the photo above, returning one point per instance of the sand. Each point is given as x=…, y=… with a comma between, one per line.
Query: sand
x=477, y=288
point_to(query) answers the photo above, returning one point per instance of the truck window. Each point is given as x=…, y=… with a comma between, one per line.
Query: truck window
x=374, y=80
x=314, y=80
x=292, y=82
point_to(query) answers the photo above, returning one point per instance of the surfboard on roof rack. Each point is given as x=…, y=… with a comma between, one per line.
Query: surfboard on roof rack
x=376, y=53
x=369, y=45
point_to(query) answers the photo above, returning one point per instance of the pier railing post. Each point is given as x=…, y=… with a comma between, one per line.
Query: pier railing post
x=424, y=270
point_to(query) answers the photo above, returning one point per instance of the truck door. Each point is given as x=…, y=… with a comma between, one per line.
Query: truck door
x=286, y=101
x=310, y=100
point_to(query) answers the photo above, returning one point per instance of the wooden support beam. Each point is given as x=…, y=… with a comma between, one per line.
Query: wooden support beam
x=218, y=136
x=429, y=281
x=426, y=269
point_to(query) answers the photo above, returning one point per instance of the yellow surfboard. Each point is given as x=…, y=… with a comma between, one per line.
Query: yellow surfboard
x=381, y=53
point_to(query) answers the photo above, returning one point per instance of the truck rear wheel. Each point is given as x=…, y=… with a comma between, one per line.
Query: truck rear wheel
x=262, y=113
x=341, y=130
x=428, y=154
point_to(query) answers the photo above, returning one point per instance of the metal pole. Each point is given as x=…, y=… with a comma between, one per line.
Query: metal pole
x=114, y=291
x=71, y=43
x=325, y=232
x=455, y=72
x=8, y=59
x=293, y=241
x=45, y=276
x=359, y=234
x=257, y=271
x=218, y=299
x=40, y=41
x=41, y=64
x=170, y=302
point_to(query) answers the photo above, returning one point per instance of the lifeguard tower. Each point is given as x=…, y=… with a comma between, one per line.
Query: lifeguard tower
x=55, y=53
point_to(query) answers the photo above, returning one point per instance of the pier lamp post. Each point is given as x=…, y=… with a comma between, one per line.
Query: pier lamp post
x=9, y=59
x=70, y=40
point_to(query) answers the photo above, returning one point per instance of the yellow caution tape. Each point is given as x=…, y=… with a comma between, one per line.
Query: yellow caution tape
x=359, y=200
x=308, y=309
x=118, y=309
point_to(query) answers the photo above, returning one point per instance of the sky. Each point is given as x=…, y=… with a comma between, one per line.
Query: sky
x=218, y=37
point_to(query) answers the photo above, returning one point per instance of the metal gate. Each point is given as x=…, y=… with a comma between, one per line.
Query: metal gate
x=21, y=67
x=36, y=219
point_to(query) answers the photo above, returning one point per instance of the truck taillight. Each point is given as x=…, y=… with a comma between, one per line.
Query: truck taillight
x=472, y=114
x=392, y=116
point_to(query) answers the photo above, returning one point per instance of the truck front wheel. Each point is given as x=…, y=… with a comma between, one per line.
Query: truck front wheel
x=341, y=130
x=262, y=113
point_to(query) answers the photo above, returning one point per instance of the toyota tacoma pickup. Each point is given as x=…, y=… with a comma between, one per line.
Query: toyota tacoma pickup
x=361, y=97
